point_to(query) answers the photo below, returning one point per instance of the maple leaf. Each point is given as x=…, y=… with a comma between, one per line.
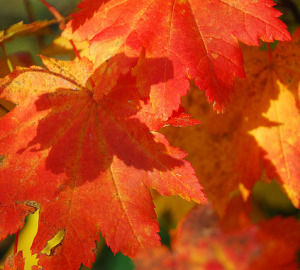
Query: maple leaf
x=199, y=38
x=200, y=243
x=220, y=150
x=237, y=148
x=283, y=86
x=86, y=158
x=21, y=29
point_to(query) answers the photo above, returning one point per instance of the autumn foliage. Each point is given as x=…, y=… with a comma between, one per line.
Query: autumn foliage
x=90, y=138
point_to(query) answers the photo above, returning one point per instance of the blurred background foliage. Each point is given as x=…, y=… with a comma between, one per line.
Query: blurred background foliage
x=269, y=200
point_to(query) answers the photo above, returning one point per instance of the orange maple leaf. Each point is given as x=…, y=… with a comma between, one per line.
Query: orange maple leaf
x=21, y=29
x=280, y=141
x=87, y=159
x=258, y=133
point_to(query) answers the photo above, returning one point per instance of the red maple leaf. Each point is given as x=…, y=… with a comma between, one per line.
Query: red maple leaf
x=85, y=157
x=196, y=39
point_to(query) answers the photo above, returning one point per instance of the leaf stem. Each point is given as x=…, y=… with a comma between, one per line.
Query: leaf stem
x=31, y=18
x=16, y=242
x=29, y=10
x=9, y=64
x=56, y=14
x=75, y=49
x=62, y=23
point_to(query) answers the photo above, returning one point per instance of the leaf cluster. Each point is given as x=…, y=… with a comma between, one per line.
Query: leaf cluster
x=86, y=142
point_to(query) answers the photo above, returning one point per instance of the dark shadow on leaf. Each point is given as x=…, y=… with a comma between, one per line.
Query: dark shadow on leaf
x=88, y=11
x=158, y=72
x=85, y=132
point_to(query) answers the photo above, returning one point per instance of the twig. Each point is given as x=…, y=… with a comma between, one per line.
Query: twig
x=31, y=18
x=10, y=67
